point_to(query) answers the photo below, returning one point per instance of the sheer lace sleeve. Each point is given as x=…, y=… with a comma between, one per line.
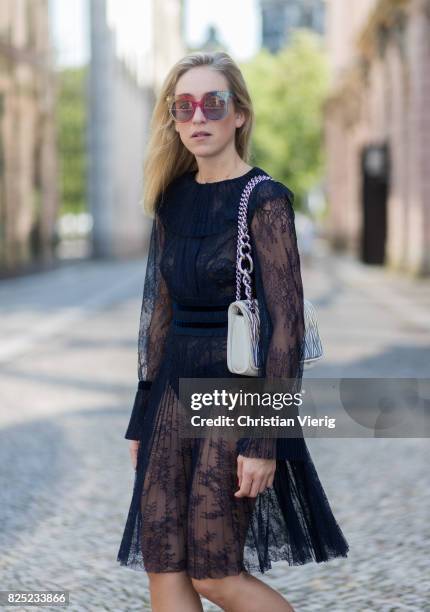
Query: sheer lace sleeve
x=155, y=316
x=279, y=288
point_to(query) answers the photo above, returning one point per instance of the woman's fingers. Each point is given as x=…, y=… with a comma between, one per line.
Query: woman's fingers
x=239, y=469
x=256, y=486
x=245, y=487
x=270, y=480
x=263, y=484
x=255, y=475
x=134, y=448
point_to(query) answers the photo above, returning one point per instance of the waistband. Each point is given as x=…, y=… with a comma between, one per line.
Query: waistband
x=201, y=320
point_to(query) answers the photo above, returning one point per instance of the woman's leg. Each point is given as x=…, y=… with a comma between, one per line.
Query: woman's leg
x=242, y=593
x=173, y=592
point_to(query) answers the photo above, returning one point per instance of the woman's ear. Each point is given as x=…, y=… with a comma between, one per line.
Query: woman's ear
x=240, y=119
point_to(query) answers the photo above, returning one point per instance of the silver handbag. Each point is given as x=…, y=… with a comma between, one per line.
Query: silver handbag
x=243, y=315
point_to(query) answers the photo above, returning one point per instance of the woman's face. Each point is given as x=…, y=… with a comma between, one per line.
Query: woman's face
x=197, y=81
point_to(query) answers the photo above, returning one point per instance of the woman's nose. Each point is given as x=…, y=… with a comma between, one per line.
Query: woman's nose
x=198, y=114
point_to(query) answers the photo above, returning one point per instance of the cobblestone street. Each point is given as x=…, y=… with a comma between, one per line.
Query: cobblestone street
x=68, y=376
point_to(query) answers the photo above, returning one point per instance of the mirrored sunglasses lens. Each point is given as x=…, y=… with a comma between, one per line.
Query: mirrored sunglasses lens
x=182, y=110
x=215, y=106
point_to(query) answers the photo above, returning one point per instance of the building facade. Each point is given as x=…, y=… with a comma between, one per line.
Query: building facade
x=28, y=159
x=120, y=102
x=377, y=131
x=281, y=17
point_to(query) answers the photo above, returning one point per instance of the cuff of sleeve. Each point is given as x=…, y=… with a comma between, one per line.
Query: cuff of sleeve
x=257, y=448
x=135, y=424
x=287, y=449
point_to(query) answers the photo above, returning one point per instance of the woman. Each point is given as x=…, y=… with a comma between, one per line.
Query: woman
x=205, y=513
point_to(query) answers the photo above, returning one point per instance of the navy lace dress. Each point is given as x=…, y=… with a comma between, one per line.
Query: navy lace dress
x=183, y=513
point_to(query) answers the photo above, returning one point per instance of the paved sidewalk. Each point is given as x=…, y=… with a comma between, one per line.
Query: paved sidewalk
x=68, y=375
x=407, y=296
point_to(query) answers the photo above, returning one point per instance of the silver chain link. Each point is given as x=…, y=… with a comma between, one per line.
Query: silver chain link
x=243, y=240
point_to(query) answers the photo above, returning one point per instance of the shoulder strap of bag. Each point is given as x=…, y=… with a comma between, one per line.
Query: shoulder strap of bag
x=243, y=255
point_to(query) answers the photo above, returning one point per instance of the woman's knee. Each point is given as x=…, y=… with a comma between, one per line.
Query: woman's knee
x=218, y=590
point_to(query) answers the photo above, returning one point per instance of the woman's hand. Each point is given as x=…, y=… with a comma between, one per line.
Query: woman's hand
x=133, y=448
x=254, y=475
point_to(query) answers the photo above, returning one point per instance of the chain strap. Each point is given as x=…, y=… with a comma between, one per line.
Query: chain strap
x=243, y=241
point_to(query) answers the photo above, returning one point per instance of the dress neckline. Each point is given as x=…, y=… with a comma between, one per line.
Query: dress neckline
x=223, y=181
x=192, y=209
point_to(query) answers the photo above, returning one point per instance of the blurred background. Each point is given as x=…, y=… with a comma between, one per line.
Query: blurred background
x=341, y=92
x=341, y=118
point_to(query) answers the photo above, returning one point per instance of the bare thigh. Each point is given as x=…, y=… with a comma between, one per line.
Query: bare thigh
x=217, y=521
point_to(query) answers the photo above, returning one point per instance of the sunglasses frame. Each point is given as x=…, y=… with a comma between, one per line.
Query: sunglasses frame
x=199, y=103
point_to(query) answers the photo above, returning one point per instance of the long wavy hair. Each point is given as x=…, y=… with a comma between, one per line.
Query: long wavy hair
x=166, y=156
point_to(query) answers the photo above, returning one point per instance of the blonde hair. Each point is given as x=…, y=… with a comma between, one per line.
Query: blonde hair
x=166, y=156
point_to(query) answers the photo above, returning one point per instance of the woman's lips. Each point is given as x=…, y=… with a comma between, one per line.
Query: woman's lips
x=200, y=136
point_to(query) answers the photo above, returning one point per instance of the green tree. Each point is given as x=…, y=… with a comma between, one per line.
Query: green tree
x=71, y=120
x=288, y=90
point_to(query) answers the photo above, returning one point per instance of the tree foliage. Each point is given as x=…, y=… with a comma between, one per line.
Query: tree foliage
x=288, y=90
x=71, y=121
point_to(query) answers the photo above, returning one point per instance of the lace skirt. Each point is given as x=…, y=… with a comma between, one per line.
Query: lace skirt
x=183, y=514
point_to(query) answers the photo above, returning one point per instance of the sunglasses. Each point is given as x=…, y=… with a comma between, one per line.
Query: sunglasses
x=214, y=105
